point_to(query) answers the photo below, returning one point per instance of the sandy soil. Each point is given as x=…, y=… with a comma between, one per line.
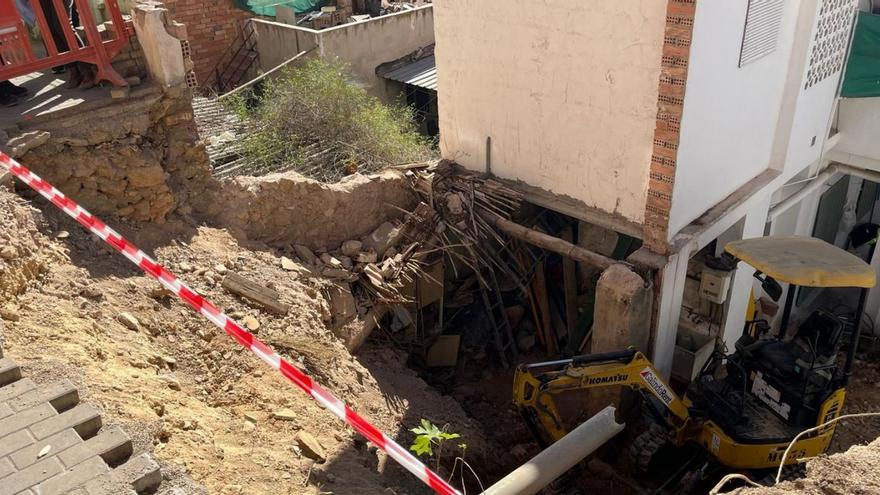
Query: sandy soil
x=207, y=409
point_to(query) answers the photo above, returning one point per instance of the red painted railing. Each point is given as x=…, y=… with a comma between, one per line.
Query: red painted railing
x=18, y=58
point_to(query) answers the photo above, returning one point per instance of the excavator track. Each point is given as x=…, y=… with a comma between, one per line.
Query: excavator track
x=647, y=444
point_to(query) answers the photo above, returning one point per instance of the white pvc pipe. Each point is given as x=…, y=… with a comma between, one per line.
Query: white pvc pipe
x=558, y=458
x=816, y=182
x=819, y=181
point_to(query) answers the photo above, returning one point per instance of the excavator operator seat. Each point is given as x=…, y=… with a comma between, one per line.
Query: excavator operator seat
x=813, y=348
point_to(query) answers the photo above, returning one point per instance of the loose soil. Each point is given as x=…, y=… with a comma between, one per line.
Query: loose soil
x=216, y=418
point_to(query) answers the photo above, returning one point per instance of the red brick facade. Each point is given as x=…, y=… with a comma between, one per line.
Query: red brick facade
x=211, y=27
x=670, y=103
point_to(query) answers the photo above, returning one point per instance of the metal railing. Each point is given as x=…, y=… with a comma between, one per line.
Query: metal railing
x=17, y=56
x=232, y=67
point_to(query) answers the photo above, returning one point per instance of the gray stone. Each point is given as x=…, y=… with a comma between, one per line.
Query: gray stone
x=384, y=237
x=27, y=141
x=351, y=247
x=305, y=254
x=129, y=321
x=310, y=446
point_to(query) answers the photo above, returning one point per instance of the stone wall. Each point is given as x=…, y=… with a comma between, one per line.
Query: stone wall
x=285, y=209
x=138, y=158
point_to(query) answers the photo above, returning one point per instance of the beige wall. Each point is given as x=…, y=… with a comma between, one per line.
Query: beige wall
x=567, y=90
x=362, y=45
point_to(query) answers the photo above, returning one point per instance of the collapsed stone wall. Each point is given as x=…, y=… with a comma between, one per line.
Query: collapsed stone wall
x=137, y=158
x=284, y=209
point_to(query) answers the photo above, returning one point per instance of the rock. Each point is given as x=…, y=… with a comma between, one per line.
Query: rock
x=384, y=237
x=145, y=177
x=8, y=252
x=342, y=303
x=129, y=321
x=251, y=323
x=220, y=268
x=367, y=257
x=248, y=426
x=330, y=261
x=352, y=247
x=26, y=142
x=252, y=417
x=288, y=264
x=305, y=254
x=91, y=293
x=173, y=383
x=454, y=204
x=10, y=313
x=284, y=415
x=185, y=267
x=310, y=446
x=62, y=235
x=347, y=263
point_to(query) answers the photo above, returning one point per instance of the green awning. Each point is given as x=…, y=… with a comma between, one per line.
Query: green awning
x=267, y=7
x=862, y=78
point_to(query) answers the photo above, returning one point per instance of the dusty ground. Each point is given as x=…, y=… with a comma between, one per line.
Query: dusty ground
x=854, y=472
x=205, y=407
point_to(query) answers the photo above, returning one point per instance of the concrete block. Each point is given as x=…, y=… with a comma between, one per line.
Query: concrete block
x=32, y=476
x=62, y=395
x=16, y=441
x=5, y=410
x=26, y=418
x=139, y=474
x=9, y=371
x=623, y=311
x=622, y=319
x=74, y=477
x=111, y=444
x=82, y=418
x=57, y=443
x=15, y=389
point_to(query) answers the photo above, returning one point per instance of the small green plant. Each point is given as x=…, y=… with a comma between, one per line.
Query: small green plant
x=430, y=438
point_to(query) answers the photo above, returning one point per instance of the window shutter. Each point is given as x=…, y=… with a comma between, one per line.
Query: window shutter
x=763, y=20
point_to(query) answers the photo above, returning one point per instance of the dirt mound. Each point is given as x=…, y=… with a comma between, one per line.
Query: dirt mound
x=853, y=472
x=204, y=406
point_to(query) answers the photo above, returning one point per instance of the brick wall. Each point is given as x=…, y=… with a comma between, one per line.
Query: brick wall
x=670, y=103
x=211, y=26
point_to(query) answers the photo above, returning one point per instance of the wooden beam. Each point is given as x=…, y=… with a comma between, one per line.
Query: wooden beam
x=255, y=292
x=569, y=277
x=549, y=242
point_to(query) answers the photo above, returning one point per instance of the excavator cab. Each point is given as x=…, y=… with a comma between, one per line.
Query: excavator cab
x=775, y=384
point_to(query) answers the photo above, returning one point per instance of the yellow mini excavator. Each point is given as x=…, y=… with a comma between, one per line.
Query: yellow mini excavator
x=743, y=409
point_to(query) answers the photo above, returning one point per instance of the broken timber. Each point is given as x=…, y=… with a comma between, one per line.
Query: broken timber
x=549, y=242
x=255, y=292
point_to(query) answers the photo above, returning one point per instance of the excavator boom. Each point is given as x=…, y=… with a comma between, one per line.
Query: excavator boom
x=535, y=386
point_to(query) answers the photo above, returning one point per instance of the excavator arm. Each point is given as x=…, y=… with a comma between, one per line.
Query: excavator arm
x=535, y=386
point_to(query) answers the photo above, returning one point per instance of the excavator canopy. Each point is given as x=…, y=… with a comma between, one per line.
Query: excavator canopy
x=804, y=261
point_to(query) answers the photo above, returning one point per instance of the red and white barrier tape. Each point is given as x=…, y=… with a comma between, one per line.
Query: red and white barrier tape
x=236, y=331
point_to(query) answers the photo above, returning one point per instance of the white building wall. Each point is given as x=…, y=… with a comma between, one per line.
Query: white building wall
x=858, y=123
x=730, y=112
x=566, y=90
x=816, y=104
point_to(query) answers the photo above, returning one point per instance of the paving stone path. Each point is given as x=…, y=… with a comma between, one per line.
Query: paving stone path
x=50, y=444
